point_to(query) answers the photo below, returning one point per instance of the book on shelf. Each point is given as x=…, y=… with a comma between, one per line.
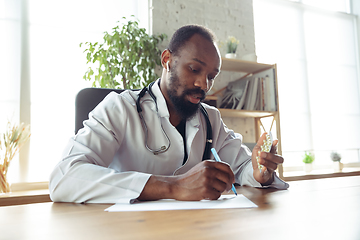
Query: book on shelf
x=266, y=91
x=270, y=94
x=251, y=101
x=235, y=94
x=256, y=92
x=243, y=97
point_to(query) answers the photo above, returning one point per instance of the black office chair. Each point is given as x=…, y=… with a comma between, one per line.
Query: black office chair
x=86, y=100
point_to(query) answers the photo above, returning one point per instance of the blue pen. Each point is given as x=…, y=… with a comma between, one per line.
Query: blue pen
x=217, y=158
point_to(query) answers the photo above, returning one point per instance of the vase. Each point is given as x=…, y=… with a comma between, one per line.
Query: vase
x=337, y=166
x=230, y=55
x=308, y=167
x=4, y=185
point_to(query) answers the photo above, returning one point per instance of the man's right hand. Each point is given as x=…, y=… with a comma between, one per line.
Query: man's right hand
x=206, y=180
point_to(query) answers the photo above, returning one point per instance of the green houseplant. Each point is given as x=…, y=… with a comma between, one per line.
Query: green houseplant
x=126, y=59
x=231, y=46
x=308, y=159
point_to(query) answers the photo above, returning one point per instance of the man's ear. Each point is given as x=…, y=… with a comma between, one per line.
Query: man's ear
x=165, y=57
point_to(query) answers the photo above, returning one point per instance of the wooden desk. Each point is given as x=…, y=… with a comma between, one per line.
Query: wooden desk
x=24, y=197
x=310, y=209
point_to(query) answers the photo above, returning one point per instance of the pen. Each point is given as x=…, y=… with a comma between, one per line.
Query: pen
x=217, y=158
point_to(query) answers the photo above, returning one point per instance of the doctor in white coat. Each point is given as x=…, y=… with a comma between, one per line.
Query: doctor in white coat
x=157, y=153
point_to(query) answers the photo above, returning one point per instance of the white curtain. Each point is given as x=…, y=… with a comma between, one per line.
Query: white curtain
x=315, y=47
x=39, y=42
x=9, y=62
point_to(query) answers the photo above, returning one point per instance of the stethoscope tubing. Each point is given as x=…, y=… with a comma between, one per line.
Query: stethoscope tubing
x=162, y=149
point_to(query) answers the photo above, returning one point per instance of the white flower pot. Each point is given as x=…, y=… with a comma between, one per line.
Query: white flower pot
x=337, y=166
x=308, y=167
x=230, y=55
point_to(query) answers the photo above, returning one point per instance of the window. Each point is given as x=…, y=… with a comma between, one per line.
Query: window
x=314, y=43
x=42, y=68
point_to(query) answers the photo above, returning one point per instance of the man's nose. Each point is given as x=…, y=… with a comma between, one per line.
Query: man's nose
x=202, y=82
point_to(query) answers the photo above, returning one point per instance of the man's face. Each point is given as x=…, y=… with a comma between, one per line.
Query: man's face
x=185, y=108
x=192, y=75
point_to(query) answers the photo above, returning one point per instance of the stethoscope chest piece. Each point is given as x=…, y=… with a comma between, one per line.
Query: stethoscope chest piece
x=161, y=150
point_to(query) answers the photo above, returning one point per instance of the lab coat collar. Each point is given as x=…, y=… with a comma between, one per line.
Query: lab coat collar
x=160, y=100
x=195, y=120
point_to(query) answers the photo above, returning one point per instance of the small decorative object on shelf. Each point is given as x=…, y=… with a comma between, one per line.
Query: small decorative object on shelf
x=336, y=158
x=231, y=46
x=11, y=141
x=308, y=160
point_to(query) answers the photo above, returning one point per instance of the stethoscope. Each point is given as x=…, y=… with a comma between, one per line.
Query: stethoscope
x=163, y=149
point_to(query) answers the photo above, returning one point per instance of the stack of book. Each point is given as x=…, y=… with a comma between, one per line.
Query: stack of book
x=256, y=92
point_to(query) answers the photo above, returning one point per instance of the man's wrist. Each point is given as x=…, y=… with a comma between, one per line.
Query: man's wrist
x=270, y=181
x=158, y=187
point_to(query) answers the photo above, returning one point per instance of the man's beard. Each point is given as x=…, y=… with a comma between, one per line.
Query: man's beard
x=182, y=106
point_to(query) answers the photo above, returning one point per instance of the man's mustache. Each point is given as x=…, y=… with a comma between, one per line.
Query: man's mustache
x=196, y=91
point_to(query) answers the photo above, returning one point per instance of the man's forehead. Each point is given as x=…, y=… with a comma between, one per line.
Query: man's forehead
x=199, y=49
x=199, y=42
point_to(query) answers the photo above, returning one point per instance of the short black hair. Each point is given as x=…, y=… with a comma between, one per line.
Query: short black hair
x=183, y=34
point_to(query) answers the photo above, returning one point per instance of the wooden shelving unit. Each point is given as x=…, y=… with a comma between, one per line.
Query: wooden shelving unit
x=236, y=113
x=237, y=65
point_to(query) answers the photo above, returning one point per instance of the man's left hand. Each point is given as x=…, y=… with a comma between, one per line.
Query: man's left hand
x=269, y=161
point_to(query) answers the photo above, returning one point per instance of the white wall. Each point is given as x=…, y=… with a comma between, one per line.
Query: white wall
x=355, y=9
x=224, y=17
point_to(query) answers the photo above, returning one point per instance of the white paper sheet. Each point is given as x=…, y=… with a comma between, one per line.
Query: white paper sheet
x=225, y=201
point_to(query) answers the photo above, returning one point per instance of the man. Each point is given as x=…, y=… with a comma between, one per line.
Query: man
x=156, y=153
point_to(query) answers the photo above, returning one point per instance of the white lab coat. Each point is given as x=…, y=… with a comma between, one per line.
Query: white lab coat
x=107, y=161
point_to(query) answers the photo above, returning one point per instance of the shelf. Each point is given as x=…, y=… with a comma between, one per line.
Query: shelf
x=237, y=65
x=225, y=112
x=211, y=97
x=244, y=113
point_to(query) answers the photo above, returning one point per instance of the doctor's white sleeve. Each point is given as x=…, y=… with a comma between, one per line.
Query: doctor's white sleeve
x=83, y=174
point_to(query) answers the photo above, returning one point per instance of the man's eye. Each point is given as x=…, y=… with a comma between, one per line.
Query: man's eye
x=194, y=70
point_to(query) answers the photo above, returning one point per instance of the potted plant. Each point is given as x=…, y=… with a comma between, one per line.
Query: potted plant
x=231, y=46
x=336, y=158
x=308, y=160
x=10, y=143
x=126, y=59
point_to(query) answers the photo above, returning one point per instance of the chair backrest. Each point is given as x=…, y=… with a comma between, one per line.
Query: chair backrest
x=86, y=100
